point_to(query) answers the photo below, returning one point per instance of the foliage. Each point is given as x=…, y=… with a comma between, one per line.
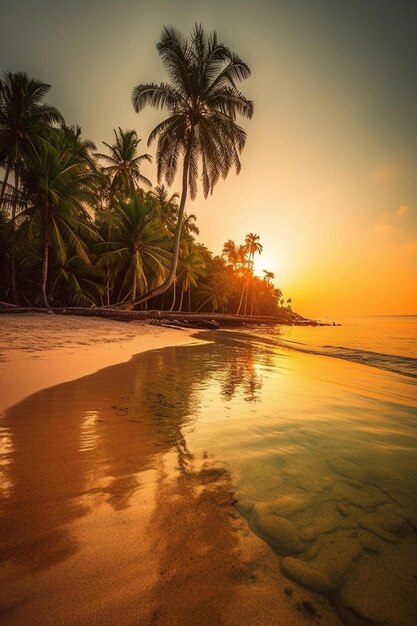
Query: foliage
x=76, y=228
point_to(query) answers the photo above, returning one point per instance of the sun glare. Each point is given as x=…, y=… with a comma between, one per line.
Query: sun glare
x=261, y=263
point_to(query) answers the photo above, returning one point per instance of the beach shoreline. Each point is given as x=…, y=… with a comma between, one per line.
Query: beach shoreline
x=34, y=363
x=98, y=547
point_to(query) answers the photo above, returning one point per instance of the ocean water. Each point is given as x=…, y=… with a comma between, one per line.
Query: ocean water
x=316, y=426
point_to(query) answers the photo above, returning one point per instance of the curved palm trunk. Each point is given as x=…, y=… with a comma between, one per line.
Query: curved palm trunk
x=174, y=297
x=175, y=254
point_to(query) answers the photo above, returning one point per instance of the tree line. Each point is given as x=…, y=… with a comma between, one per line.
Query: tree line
x=86, y=228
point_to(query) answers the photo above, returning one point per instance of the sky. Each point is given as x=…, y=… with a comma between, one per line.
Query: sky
x=329, y=176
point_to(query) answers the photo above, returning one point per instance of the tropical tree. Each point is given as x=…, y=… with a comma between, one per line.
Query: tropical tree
x=202, y=101
x=168, y=205
x=138, y=250
x=24, y=120
x=268, y=276
x=77, y=283
x=252, y=247
x=124, y=163
x=236, y=255
x=57, y=185
x=191, y=267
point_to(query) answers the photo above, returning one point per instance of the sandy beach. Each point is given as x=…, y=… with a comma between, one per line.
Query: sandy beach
x=106, y=515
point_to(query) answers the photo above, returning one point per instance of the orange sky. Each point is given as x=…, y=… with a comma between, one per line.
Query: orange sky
x=328, y=178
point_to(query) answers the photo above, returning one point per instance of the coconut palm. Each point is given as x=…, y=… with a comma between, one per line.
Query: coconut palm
x=236, y=255
x=78, y=283
x=268, y=276
x=168, y=205
x=253, y=246
x=57, y=184
x=202, y=101
x=124, y=163
x=191, y=267
x=137, y=252
x=24, y=119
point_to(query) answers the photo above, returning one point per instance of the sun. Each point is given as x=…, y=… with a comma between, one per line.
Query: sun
x=261, y=263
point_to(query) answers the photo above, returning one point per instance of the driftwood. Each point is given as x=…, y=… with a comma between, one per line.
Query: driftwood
x=188, y=320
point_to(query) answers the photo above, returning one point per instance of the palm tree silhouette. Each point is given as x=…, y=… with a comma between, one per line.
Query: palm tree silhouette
x=24, y=119
x=137, y=248
x=268, y=276
x=124, y=163
x=57, y=185
x=203, y=102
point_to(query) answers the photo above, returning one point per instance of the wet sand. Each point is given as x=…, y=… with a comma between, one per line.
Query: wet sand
x=38, y=350
x=106, y=516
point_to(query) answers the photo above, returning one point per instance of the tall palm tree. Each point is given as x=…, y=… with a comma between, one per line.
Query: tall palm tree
x=137, y=252
x=202, y=101
x=253, y=246
x=124, y=163
x=236, y=255
x=24, y=119
x=57, y=184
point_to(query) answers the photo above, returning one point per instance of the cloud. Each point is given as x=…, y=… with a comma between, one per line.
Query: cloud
x=402, y=210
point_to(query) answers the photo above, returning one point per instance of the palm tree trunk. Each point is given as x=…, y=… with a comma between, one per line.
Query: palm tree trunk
x=189, y=298
x=134, y=284
x=108, y=288
x=3, y=188
x=175, y=296
x=201, y=305
x=45, y=255
x=13, y=253
x=241, y=298
x=181, y=299
x=177, y=240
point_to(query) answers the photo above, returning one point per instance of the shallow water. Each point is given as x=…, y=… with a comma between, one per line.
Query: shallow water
x=321, y=453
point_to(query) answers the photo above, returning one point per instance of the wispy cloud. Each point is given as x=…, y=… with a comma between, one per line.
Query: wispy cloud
x=402, y=210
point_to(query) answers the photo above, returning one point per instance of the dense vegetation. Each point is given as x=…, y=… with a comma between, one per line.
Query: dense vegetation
x=84, y=228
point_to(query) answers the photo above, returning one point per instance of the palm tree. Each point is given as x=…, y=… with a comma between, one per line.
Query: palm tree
x=24, y=120
x=79, y=283
x=191, y=266
x=124, y=163
x=138, y=250
x=168, y=205
x=253, y=247
x=268, y=276
x=234, y=254
x=203, y=102
x=56, y=185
